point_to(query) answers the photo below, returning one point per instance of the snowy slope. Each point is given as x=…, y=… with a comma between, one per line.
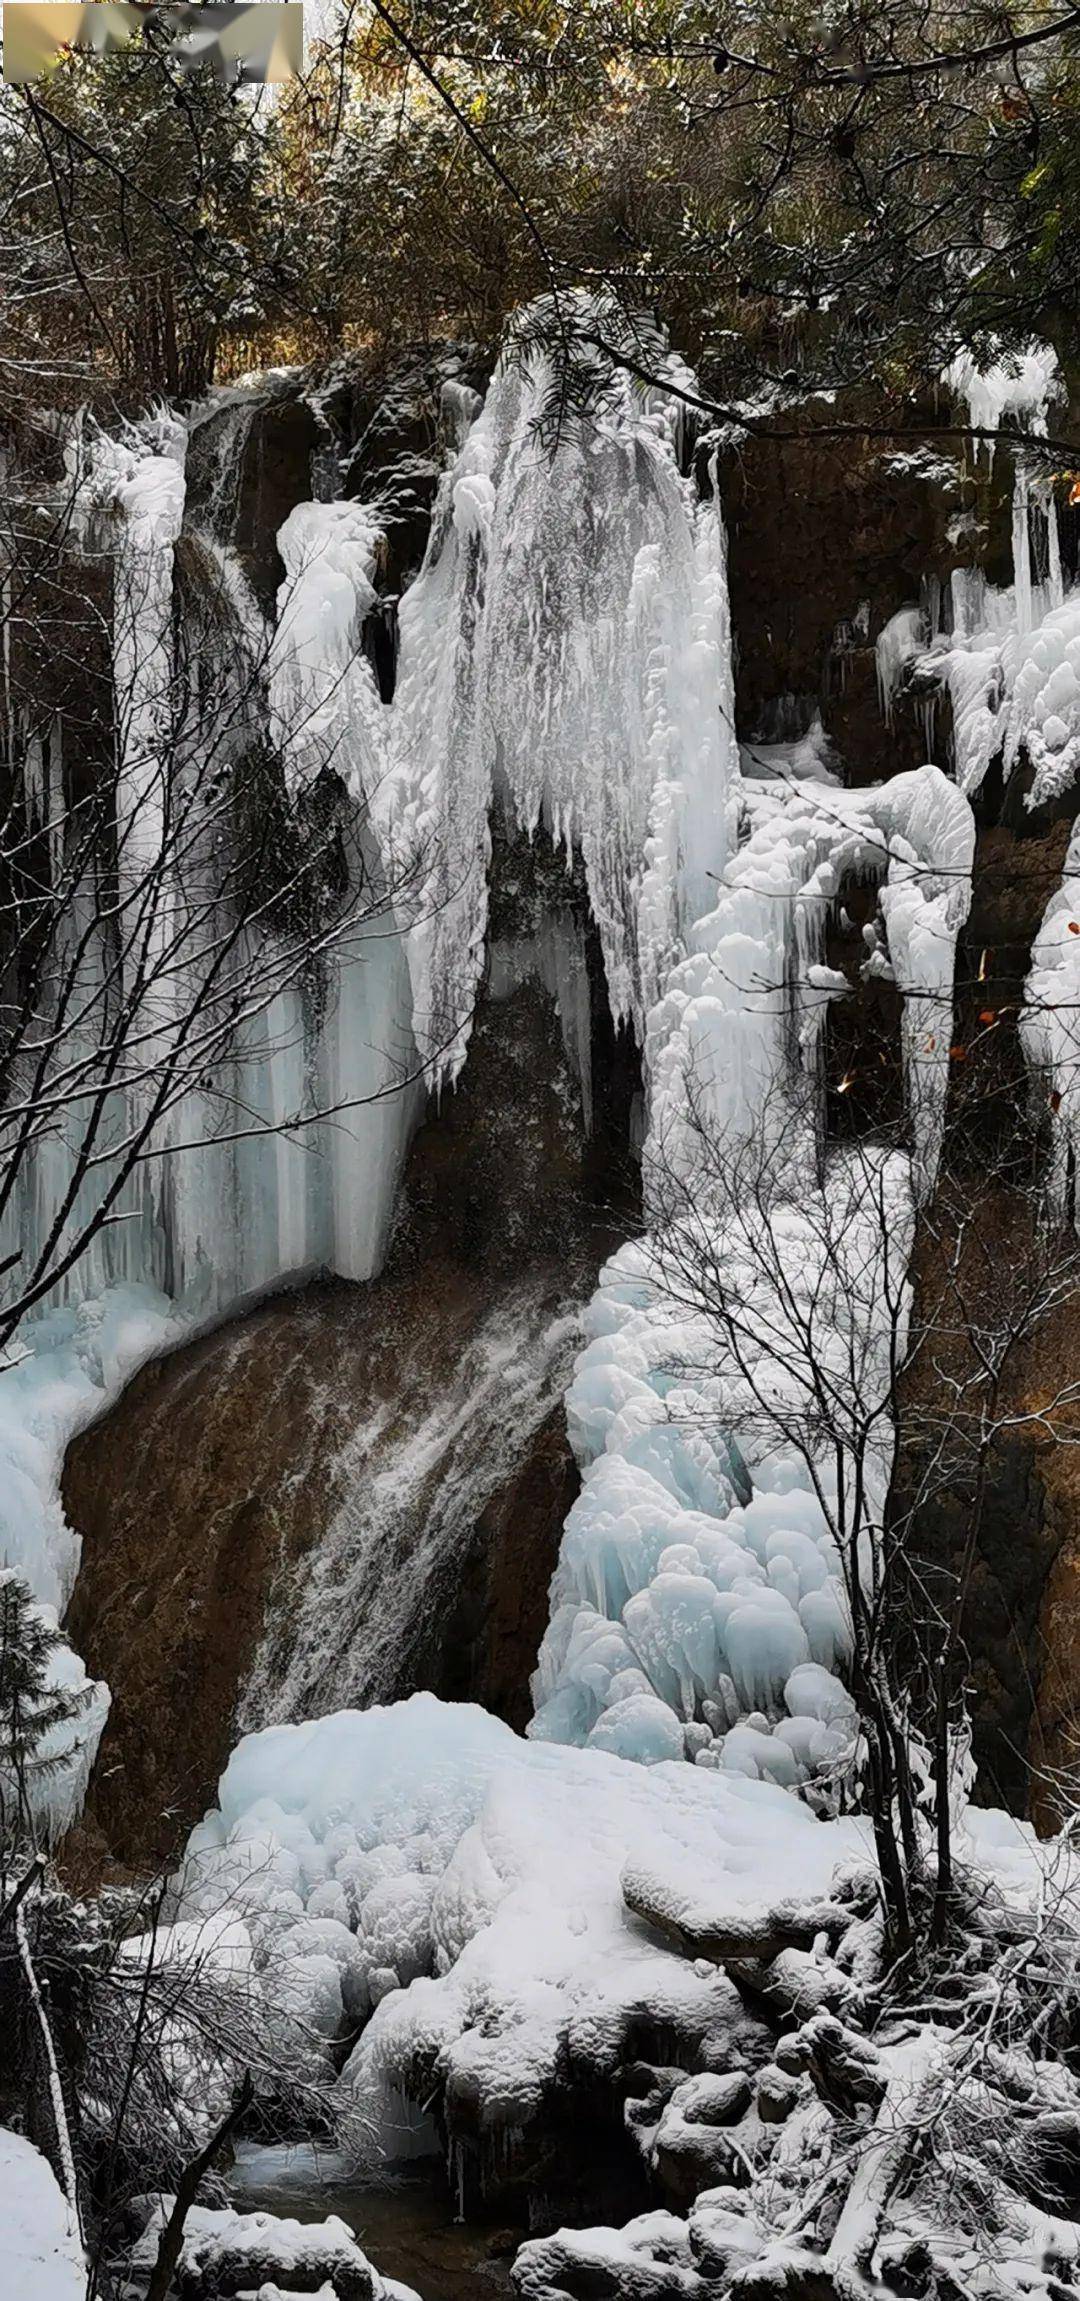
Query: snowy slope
x=41, y=2258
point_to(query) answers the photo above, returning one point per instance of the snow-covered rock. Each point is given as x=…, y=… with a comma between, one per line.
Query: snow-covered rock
x=225, y=2253
x=531, y=1975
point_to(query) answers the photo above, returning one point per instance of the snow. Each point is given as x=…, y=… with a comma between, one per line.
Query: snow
x=41, y=2257
x=517, y=1960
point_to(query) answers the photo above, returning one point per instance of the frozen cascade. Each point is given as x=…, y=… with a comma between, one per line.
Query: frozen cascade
x=565, y=658
x=565, y=650
x=409, y=1500
x=1011, y=661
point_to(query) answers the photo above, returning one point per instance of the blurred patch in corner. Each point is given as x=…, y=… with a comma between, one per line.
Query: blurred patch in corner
x=264, y=41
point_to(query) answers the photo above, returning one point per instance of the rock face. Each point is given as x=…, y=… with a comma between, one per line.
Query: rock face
x=870, y=528
x=355, y=1492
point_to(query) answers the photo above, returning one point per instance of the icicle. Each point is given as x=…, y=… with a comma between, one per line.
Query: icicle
x=1021, y=547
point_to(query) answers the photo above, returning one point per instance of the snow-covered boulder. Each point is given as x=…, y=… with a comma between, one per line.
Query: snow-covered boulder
x=649, y=2260
x=226, y=2253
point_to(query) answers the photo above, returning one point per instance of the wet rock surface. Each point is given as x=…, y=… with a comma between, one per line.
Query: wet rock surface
x=356, y=1492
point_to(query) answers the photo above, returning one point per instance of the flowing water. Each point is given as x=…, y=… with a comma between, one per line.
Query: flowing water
x=407, y=2229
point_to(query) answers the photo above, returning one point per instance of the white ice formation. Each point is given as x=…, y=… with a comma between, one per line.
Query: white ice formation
x=476, y=1892
x=1011, y=658
x=422, y=1854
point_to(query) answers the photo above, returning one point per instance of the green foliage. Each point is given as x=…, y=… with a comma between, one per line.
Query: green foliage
x=839, y=189
x=32, y=1706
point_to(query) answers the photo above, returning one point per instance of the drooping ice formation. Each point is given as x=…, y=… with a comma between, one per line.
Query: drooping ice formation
x=1011, y=661
x=565, y=651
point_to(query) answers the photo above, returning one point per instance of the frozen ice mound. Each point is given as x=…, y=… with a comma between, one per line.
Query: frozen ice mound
x=697, y=1573
x=479, y=1876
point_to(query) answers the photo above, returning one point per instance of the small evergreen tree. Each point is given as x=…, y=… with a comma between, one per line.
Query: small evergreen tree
x=33, y=1706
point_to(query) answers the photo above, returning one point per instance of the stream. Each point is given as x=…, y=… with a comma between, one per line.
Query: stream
x=407, y=2228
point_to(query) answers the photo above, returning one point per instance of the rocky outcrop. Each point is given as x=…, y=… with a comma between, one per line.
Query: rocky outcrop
x=828, y=536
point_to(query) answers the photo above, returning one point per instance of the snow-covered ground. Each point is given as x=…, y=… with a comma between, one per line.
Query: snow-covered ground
x=41, y=2256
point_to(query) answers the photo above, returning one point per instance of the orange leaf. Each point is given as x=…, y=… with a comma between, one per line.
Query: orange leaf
x=1074, y=927
x=988, y=1015
x=958, y=1054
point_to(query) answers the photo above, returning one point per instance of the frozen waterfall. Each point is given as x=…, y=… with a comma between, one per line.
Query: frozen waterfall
x=565, y=661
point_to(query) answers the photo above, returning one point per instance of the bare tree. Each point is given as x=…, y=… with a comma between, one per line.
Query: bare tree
x=795, y=1268
x=170, y=895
